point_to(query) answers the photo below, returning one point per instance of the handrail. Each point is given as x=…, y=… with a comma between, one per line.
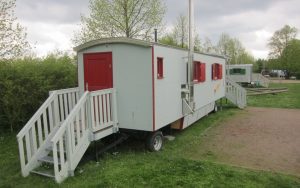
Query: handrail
x=42, y=126
x=68, y=90
x=95, y=111
x=36, y=115
x=69, y=138
x=235, y=93
x=69, y=118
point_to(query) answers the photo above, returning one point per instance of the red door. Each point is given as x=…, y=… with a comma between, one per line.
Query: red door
x=98, y=71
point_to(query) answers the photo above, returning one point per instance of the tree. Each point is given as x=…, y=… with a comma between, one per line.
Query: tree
x=280, y=40
x=290, y=59
x=208, y=47
x=168, y=39
x=234, y=49
x=181, y=31
x=121, y=18
x=13, y=41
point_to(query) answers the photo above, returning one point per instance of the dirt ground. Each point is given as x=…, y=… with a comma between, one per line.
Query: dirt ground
x=258, y=138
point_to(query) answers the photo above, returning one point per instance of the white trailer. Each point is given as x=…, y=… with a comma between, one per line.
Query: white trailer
x=150, y=80
x=240, y=73
x=243, y=74
x=125, y=86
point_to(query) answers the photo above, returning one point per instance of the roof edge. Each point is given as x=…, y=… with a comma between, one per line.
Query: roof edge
x=124, y=40
x=112, y=41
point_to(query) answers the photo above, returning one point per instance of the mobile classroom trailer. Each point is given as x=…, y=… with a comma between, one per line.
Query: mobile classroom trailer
x=150, y=81
x=125, y=86
x=240, y=73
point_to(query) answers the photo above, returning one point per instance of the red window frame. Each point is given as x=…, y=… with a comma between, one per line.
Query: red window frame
x=220, y=71
x=217, y=71
x=199, y=72
x=160, y=68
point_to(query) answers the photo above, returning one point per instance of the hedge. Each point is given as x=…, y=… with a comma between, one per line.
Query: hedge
x=25, y=85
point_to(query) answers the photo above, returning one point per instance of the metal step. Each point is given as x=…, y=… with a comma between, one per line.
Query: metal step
x=47, y=173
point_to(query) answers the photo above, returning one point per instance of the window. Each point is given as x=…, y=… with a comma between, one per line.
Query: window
x=199, y=71
x=237, y=71
x=217, y=71
x=160, y=68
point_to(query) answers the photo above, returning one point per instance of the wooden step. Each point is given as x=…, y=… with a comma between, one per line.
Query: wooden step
x=48, y=159
x=46, y=173
x=50, y=148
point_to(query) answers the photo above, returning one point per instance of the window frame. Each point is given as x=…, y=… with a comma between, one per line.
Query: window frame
x=160, y=67
x=199, y=75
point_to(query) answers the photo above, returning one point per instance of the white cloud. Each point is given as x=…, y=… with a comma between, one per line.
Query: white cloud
x=48, y=37
x=51, y=23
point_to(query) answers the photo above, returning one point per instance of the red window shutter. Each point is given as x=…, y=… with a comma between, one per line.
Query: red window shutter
x=202, y=72
x=195, y=71
x=220, y=71
x=160, y=68
x=213, y=70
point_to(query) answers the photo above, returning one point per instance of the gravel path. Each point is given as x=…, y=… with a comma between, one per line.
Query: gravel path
x=259, y=138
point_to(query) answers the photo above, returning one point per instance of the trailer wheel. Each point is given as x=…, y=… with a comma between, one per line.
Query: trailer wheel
x=154, y=141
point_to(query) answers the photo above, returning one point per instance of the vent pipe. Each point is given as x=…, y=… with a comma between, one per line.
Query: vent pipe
x=155, y=35
x=191, y=54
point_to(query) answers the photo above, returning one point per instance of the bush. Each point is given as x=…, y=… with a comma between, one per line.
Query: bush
x=24, y=86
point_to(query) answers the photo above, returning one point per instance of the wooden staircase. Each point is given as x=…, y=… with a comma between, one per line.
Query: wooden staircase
x=259, y=79
x=55, y=139
x=236, y=93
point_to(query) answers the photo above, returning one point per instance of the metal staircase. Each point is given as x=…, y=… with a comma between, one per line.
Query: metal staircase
x=236, y=93
x=54, y=140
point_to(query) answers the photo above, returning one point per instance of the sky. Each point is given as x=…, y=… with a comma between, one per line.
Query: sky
x=51, y=23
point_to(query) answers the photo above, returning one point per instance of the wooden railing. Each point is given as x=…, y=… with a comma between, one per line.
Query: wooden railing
x=103, y=106
x=95, y=111
x=260, y=79
x=69, y=141
x=235, y=93
x=42, y=126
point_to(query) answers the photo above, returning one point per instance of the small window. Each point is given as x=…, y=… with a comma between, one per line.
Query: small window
x=237, y=71
x=214, y=71
x=199, y=71
x=160, y=68
x=217, y=71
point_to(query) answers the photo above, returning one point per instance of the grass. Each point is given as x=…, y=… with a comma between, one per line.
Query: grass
x=290, y=99
x=132, y=166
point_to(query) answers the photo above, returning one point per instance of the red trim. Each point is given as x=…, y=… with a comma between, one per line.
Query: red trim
x=153, y=91
x=160, y=67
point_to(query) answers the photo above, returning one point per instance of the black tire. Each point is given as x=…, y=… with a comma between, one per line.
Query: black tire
x=155, y=141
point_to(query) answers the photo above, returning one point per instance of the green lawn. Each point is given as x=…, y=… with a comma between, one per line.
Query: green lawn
x=290, y=99
x=132, y=166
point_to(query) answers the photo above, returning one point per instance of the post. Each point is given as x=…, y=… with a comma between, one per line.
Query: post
x=89, y=112
x=115, y=110
x=191, y=54
x=155, y=35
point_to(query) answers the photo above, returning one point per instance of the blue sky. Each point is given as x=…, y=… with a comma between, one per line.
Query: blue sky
x=51, y=23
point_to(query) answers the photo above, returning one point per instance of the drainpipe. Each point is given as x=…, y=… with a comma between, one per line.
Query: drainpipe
x=191, y=55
